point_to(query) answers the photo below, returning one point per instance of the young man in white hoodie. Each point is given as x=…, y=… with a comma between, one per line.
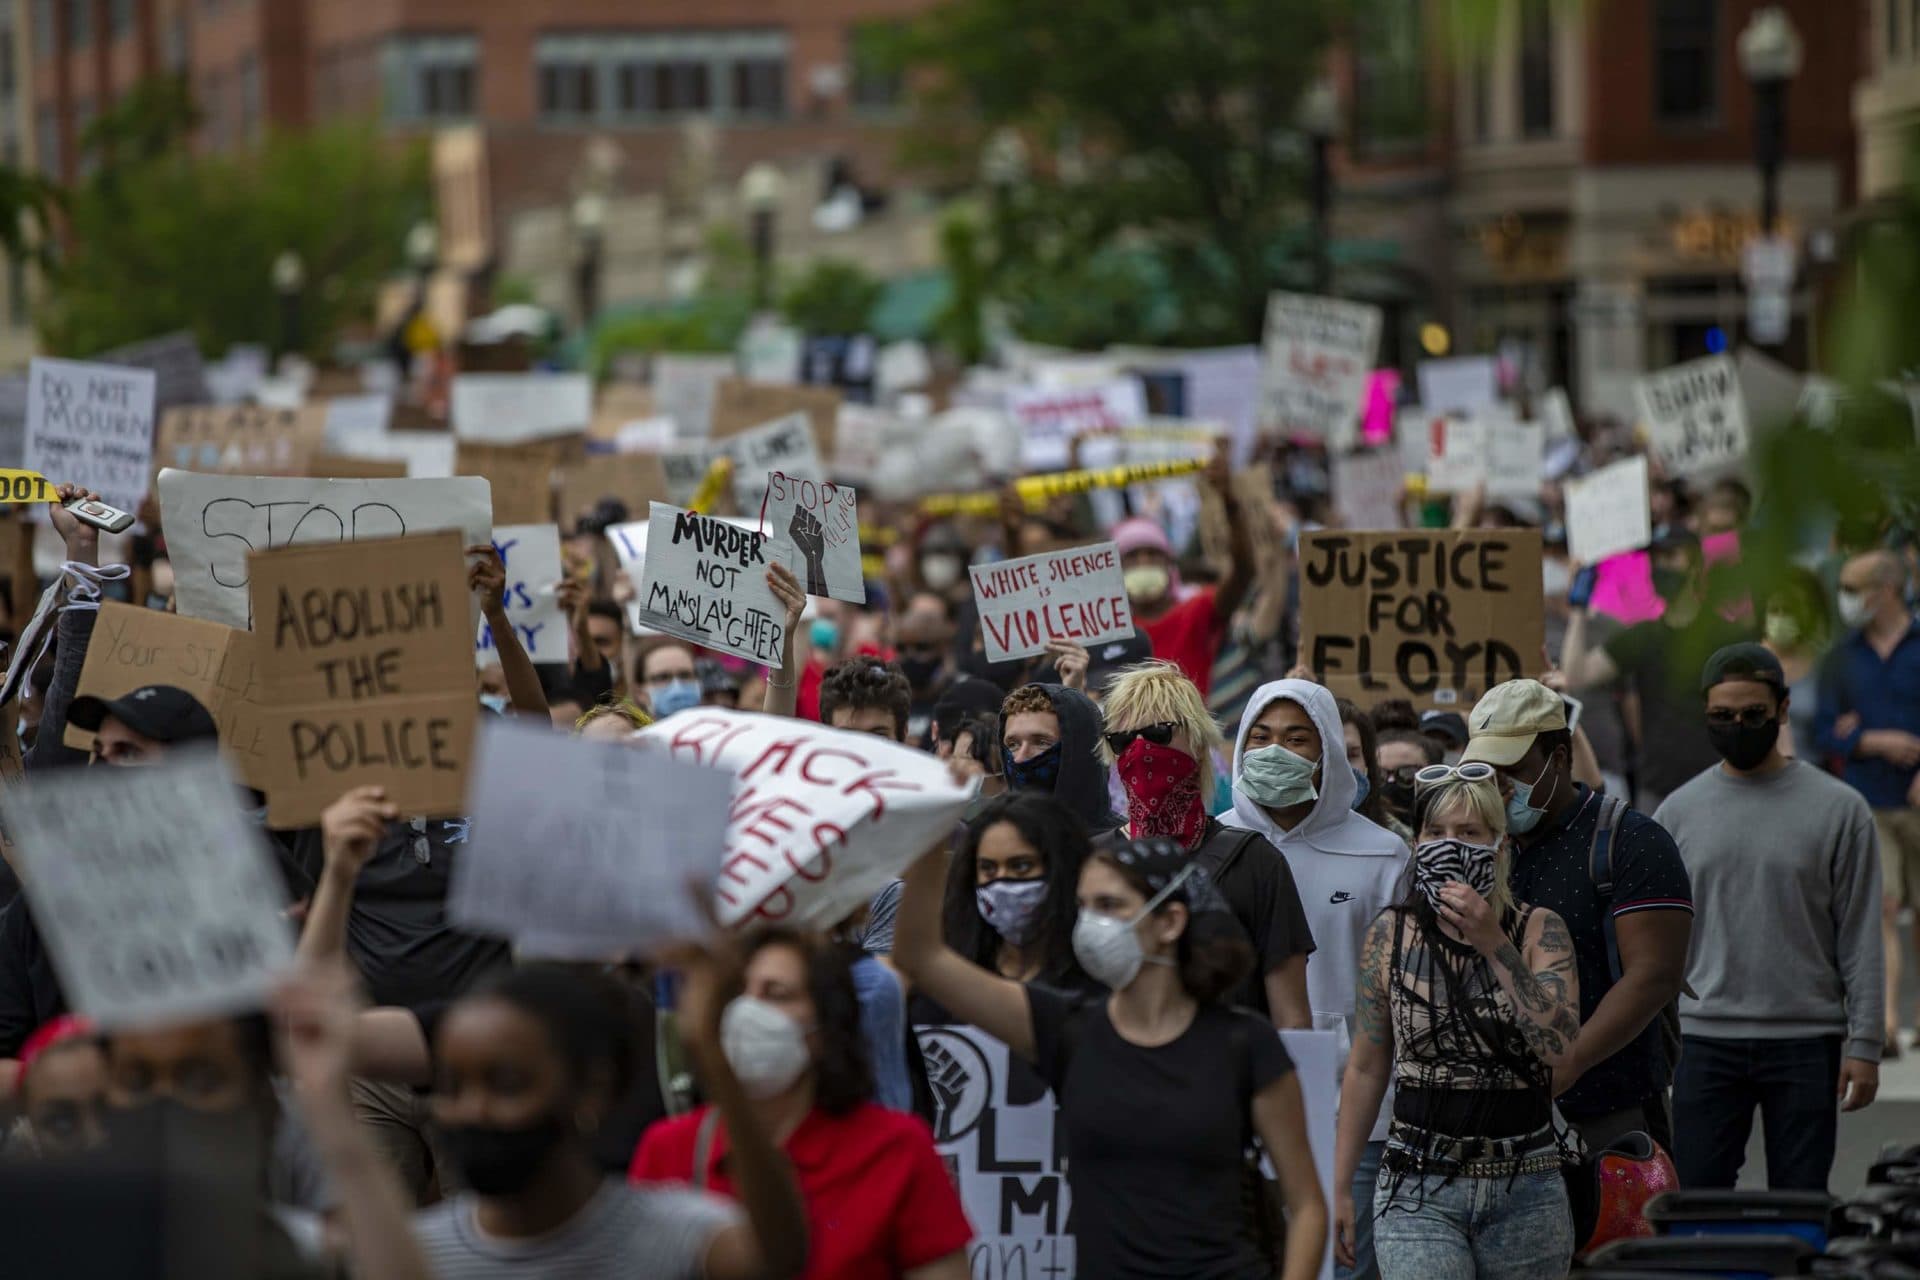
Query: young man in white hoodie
x=1347, y=868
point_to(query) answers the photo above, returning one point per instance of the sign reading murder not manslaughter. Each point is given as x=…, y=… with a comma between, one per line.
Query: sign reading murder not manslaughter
x=364, y=654
x=1319, y=354
x=1076, y=595
x=1695, y=417
x=1438, y=617
x=91, y=425
x=705, y=580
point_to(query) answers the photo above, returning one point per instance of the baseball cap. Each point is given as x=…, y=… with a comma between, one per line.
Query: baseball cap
x=1508, y=717
x=1450, y=725
x=1744, y=661
x=163, y=712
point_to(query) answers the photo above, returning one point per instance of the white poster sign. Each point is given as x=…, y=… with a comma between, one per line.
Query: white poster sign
x=351, y=418
x=816, y=533
x=622, y=837
x=1695, y=416
x=645, y=435
x=91, y=425
x=1076, y=595
x=1516, y=455
x=785, y=444
x=1463, y=384
x=821, y=820
x=705, y=580
x=531, y=554
x=1367, y=488
x=1319, y=354
x=684, y=388
x=510, y=408
x=1049, y=419
x=157, y=897
x=1456, y=455
x=1316, y=1064
x=1608, y=512
x=214, y=522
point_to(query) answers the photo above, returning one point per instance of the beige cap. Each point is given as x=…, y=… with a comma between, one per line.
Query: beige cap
x=1508, y=717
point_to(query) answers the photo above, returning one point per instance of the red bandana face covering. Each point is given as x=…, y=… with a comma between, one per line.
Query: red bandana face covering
x=1163, y=792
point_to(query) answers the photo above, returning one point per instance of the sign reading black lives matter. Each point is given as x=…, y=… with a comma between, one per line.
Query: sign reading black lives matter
x=91, y=425
x=1696, y=419
x=1435, y=616
x=706, y=581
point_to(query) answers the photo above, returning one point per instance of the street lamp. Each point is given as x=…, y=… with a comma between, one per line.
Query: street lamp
x=1003, y=167
x=1320, y=121
x=289, y=278
x=760, y=191
x=423, y=246
x=589, y=217
x=1770, y=58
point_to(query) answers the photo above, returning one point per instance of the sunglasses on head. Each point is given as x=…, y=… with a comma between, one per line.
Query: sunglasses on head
x=1435, y=774
x=1158, y=734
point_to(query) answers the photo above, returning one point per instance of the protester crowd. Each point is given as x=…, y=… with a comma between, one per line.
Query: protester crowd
x=1623, y=906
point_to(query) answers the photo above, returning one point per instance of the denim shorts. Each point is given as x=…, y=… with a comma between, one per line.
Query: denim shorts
x=1429, y=1228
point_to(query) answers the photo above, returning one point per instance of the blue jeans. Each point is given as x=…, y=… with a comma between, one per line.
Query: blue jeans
x=1473, y=1228
x=1364, y=1176
x=1793, y=1083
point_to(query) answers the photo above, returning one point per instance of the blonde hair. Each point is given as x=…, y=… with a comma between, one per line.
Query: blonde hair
x=626, y=708
x=1479, y=800
x=1157, y=692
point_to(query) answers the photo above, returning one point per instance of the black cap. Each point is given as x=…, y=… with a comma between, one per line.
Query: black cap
x=1104, y=661
x=1744, y=661
x=1450, y=725
x=163, y=712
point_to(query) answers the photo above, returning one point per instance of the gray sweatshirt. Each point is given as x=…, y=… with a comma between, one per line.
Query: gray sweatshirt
x=1786, y=900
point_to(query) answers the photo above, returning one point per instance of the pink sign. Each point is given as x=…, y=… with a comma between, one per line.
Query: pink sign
x=1376, y=421
x=1624, y=586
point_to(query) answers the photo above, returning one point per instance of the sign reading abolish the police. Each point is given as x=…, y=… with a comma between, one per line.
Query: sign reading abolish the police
x=1076, y=595
x=705, y=580
x=1435, y=616
x=365, y=662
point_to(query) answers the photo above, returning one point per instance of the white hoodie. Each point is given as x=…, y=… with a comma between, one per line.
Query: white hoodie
x=1348, y=869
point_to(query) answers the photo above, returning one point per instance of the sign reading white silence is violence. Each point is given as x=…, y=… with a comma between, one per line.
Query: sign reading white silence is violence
x=1076, y=595
x=821, y=819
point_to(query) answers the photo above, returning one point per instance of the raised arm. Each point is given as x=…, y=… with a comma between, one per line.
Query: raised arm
x=997, y=1005
x=1587, y=666
x=1369, y=1065
x=1233, y=588
x=74, y=632
x=487, y=577
x=350, y=830
x=783, y=686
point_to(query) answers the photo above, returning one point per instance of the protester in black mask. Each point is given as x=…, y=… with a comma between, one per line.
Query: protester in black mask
x=1050, y=742
x=1402, y=754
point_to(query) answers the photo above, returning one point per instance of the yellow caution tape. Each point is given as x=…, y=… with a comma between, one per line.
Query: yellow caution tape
x=24, y=486
x=1034, y=490
x=712, y=485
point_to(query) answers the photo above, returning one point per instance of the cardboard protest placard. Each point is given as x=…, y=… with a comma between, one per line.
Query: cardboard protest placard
x=357, y=415
x=91, y=425
x=158, y=900
x=133, y=647
x=821, y=818
x=1074, y=595
x=816, y=533
x=340, y=466
x=705, y=580
x=786, y=444
x=1434, y=616
x=1609, y=512
x=511, y=408
x=684, y=388
x=1695, y=416
x=364, y=661
x=531, y=555
x=214, y=522
x=1462, y=384
x=638, y=480
x=240, y=439
x=623, y=836
x=1367, y=490
x=1050, y=419
x=741, y=406
x=1319, y=354
x=519, y=475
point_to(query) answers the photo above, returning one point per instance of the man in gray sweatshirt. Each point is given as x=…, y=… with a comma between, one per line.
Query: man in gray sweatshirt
x=1785, y=958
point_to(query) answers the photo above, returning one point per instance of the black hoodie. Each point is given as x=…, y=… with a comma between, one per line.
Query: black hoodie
x=1082, y=784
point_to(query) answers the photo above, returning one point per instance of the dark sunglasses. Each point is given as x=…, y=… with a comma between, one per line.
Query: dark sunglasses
x=1158, y=734
x=1746, y=717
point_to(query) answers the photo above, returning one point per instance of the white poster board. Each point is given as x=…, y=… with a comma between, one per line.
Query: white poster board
x=1076, y=595
x=1316, y=1062
x=1462, y=384
x=582, y=849
x=1609, y=512
x=1456, y=454
x=157, y=897
x=785, y=444
x=684, y=388
x=1049, y=419
x=214, y=522
x=1695, y=416
x=1367, y=489
x=531, y=554
x=91, y=425
x=1319, y=355
x=1516, y=455
x=705, y=580
x=821, y=820
x=352, y=418
x=816, y=532
x=511, y=408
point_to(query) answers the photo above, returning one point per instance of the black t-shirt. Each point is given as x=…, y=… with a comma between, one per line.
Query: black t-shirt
x=1259, y=890
x=1155, y=1136
x=1662, y=665
x=29, y=992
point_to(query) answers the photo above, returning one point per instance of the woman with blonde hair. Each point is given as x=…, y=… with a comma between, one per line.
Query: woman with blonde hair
x=1470, y=1001
x=615, y=721
x=1161, y=741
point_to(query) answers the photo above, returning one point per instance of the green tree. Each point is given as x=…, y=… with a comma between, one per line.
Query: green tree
x=831, y=297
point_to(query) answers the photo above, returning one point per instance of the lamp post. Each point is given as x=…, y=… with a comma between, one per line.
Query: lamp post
x=423, y=247
x=1320, y=121
x=1769, y=51
x=289, y=278
x=589, y=218
x=1003, y=167
x=760, y=191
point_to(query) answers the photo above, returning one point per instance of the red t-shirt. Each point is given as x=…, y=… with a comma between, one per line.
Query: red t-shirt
x=879, y=1201
x=1188, y=635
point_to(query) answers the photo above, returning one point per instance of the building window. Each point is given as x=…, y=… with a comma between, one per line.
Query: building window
x=79, y=23
x=121, y=17
x=760, y=88
x=1536, y=69
x=642, y=77
x=432, y=77
x=1684, y=60
x=250, y=118
x=877, y=81
x=569, y=68
x=1389, y=79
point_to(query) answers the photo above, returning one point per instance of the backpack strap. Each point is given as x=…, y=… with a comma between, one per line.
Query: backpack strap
x=1600, y=870
x=703, y=1146
x=1218, y=869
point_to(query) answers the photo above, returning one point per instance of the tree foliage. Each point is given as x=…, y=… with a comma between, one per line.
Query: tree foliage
x=832, y=296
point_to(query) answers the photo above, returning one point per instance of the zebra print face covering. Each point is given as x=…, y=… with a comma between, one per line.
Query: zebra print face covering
x=1437, y=861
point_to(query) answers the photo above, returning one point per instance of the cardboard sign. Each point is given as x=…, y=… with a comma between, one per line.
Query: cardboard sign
x=510, y=408
x=741, y=406
x=1695, y=416
x=1367, y=489
x=1319, y=355
x=156, y=896
x=134, y=647
x=240, y=439
x=623, y=835
x=821, y=818
x=1435, y=616
x=1074, y=595
x=684, y=388
x=519, y=475
x=995, y=1127
x=637, y=479
x=1463, y=384
x=1609, y=512
x=786, y=444
x=91, y=425
x=705, y=580
x=1050, y=419
x=816, y=533
x=531, y=554
x=214, y=522
x=364, y=663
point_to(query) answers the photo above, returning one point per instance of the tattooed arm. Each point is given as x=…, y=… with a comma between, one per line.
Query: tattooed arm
x=1368, y=1066
x=1544, y=986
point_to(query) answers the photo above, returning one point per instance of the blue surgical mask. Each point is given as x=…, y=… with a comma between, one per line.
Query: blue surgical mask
x=680, y=695
x=1522, y=817
x=494, y=702
x=1361, y=787
x=825, y=633
x=1275, y=778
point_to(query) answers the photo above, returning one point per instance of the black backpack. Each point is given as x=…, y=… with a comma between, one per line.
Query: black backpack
x=1600, y=869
